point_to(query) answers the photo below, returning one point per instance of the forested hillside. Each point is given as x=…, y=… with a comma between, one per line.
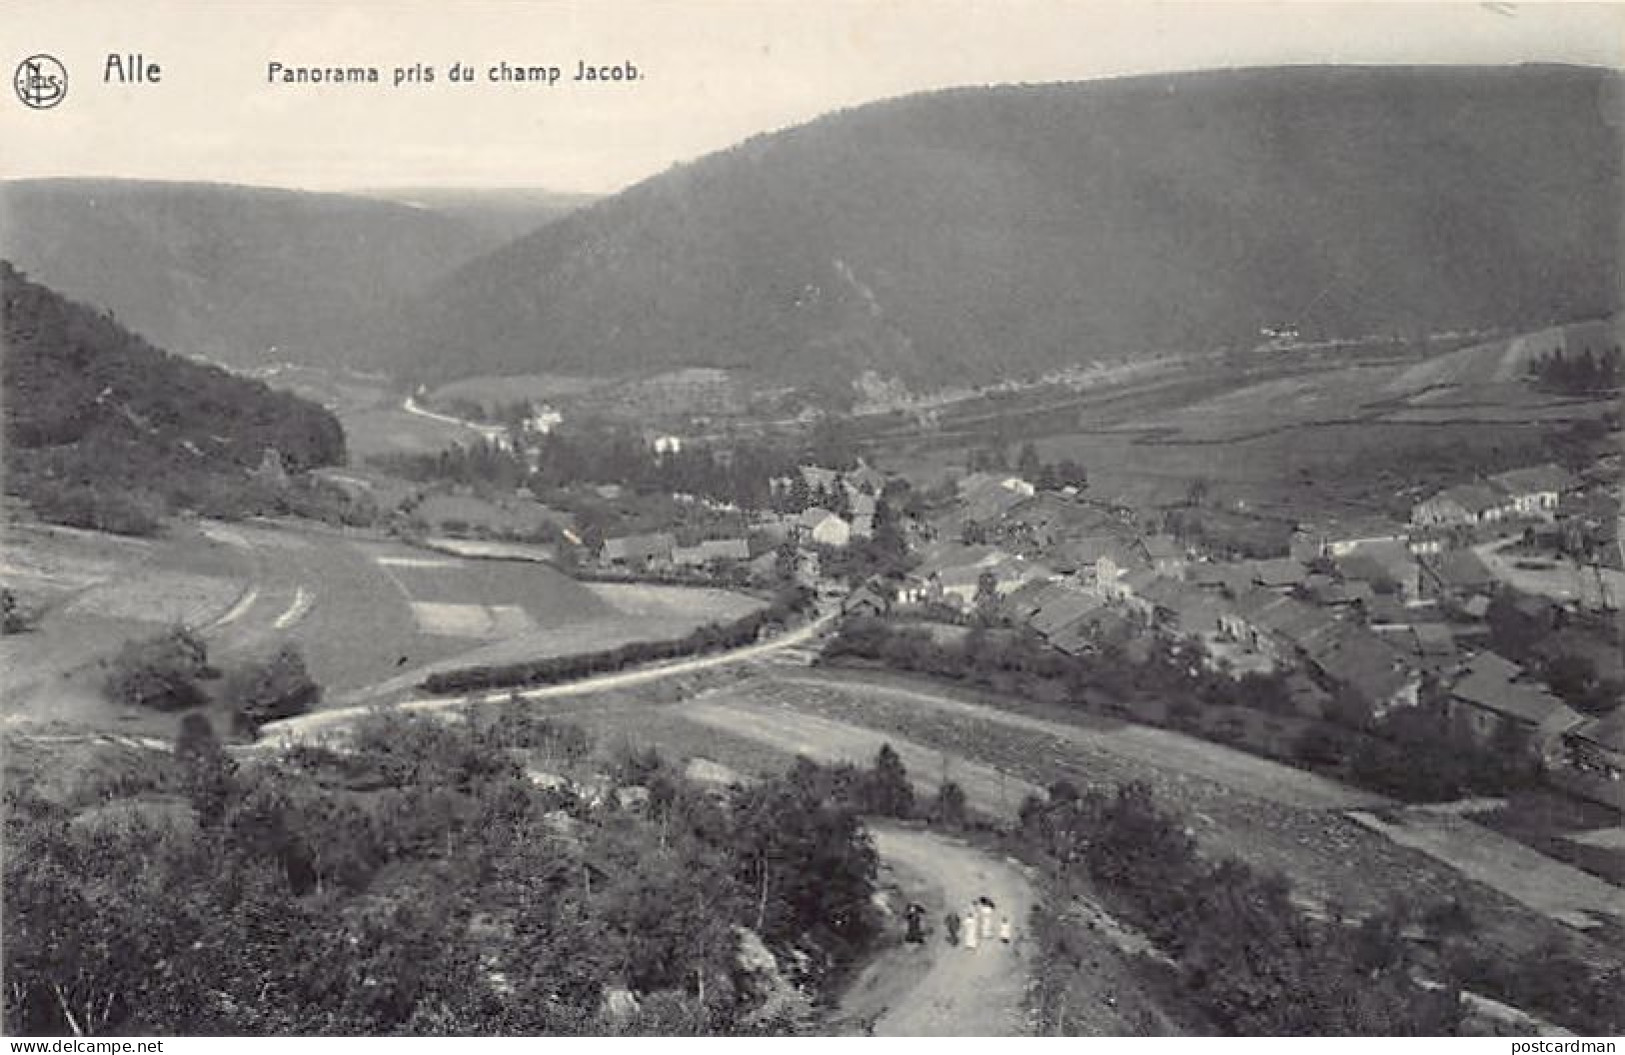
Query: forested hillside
x=104, y=430
x=987, y=232
x=248, y=275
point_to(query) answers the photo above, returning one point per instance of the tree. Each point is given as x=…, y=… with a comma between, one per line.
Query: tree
x=161, y=672
x=208, y=769
x=279, y=687
x=887, y=790
x=949, y=808
x=1028, y=464
x=986, y=601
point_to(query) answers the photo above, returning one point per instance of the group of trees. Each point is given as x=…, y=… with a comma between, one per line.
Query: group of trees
x=1248, y=958
x=1586, y=374
x=1256, y=963
x=105, y=431
x=169, y=672
x=422, y=883
x=598, y=453
x=1030, y=466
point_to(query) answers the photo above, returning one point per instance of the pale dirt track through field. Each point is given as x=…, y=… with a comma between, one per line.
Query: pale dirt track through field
x=319, y=722
x=959, y=992
x=1140, y=744
x=988, y=790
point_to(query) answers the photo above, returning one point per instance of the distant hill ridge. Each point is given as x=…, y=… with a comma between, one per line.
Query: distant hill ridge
x=981, y=233
x=252, y=275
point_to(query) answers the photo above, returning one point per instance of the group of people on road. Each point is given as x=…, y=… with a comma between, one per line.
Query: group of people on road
x=976, y=926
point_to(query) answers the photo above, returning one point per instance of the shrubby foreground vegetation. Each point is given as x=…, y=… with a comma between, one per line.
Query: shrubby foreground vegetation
x=1243, y=957
x=428, y=878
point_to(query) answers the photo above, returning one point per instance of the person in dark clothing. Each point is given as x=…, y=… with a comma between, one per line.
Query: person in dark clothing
x=951, y=923
x=914, y=918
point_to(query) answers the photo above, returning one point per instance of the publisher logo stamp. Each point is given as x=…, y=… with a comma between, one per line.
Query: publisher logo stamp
x=41, y=82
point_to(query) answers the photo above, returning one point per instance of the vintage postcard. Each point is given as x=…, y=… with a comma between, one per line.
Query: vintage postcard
x=678, y=518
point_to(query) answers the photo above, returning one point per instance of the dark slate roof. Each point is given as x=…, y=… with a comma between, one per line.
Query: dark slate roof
x=1475, y=498
x=1064, y=609
x=1282, y=571
x=1520, y=701
x=1461, y=569
x=1607, y=732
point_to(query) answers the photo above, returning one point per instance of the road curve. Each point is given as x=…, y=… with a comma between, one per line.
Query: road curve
x=960, y=992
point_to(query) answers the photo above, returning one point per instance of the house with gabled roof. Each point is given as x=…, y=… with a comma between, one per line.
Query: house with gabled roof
x=1094, y=559
x=1337, y=536
x=1457, y=574
x=1061, y=608
x=1279, y=573
x=1495, y=695
x=866, y=600
x=722, y=551
x=825, y=528
x=1463, y=505
x=1387, y=567
x=639, y=551
x=1534, y=491
x=1164, y=554
x=1365, y=664
x=1592, y=760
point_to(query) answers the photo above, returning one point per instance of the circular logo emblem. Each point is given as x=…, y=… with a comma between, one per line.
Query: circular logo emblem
x=41, y=82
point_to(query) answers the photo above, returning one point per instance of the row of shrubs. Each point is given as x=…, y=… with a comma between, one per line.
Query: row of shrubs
x=713, y=637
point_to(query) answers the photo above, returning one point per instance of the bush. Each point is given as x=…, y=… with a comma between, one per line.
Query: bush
x=98, y=508
x=13, y=620
x=279, y=687
x=160, y=672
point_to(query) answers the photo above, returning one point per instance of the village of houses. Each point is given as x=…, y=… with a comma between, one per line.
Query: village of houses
x=1369, y=608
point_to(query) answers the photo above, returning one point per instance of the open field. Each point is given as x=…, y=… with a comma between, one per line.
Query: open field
x=1281, y=435
x=370, y=616
x=987, y=790
x=490, y=390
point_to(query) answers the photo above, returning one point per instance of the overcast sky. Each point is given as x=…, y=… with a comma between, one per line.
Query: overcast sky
x=713, y=73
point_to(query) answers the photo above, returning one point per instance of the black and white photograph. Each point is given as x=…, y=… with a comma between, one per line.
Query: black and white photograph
x=774, y=519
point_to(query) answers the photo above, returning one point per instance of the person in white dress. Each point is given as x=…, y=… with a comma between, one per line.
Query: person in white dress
x=969, y=932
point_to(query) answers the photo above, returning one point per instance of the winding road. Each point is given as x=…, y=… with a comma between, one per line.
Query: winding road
x=937, y=989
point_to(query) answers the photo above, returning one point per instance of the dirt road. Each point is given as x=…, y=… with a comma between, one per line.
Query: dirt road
x=937, y=989
x=988, y=790
x=292, y=729
x=1136, y=745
